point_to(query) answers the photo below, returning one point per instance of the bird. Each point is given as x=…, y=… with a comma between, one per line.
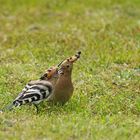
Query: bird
x=36, y=91
x=54, y=85
x=49, y=74
x=64, y=87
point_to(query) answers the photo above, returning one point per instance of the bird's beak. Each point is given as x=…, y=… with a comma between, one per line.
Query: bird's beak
x=59, y=64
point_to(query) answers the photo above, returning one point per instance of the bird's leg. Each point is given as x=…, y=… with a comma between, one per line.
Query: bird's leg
x=37, y=109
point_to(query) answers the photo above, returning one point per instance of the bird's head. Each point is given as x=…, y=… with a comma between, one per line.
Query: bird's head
x=67, y=65
x=51, y=72
x=63, y=67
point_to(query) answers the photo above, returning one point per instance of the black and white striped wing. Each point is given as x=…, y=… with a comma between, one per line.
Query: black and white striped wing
x=28, y=86
x=24, y=90
x=34, y=94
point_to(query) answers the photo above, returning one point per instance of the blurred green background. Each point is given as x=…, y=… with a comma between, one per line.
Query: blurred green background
x=35, y=35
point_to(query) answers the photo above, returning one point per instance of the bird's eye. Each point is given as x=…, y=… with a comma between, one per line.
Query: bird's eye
x=68, y=66
x=49, y=70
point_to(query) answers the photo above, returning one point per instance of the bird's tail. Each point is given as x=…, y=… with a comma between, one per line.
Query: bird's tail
x=8, y=107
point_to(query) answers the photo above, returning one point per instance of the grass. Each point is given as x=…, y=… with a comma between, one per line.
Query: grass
x=106, y=102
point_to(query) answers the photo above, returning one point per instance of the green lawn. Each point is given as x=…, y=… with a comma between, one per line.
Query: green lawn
x=36, y=34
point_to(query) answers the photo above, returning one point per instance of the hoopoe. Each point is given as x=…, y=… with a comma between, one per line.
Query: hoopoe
x=51, y=73
x=64, y=87
x=37, y=91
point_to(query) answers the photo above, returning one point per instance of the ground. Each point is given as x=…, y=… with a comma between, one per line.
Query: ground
x=35, y=35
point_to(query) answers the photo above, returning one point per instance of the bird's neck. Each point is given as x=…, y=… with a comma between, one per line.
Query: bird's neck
x=66, y=75
x=53, y=81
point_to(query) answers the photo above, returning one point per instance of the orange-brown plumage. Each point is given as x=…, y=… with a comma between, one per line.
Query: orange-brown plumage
x=64, y=87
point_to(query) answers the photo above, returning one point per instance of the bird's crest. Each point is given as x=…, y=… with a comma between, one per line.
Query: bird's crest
x=49, y=73
x=72, y=58
x=54, y=69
